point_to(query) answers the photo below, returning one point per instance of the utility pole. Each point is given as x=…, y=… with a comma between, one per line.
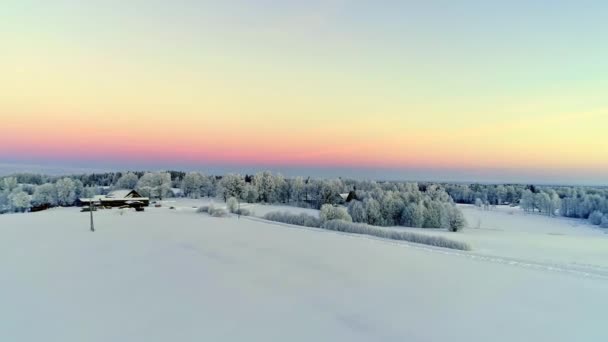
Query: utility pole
x=91, y=207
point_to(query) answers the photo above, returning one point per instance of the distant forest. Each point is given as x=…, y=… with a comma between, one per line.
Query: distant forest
x=381, y=203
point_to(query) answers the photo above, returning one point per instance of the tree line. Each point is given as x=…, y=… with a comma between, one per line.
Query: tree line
x=384, y=203
x=589, y=203
x=375, y=203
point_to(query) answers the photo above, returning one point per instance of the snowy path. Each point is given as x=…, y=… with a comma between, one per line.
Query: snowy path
x=176, y=275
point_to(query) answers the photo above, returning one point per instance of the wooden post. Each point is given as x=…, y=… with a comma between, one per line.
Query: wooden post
x=91, y=207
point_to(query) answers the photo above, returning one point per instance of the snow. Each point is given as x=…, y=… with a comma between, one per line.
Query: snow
x=179, y=275
x=550, y=242
x=258, y=210
x=119, y=193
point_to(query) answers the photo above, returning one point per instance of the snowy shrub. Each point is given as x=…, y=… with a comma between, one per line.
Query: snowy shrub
x=232, y=203
x=300, y=220
x=596, y=218
x=329, y=212
x=207, y=209
x=358, y=228
x=218, y=212
x=456, y=220
x=243, y=212
x=212, y=210
x=604, y=223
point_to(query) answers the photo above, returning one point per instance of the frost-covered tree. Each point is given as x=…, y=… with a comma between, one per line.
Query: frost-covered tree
x=556, y=203
x=456, y=220
x=207, y=186
x=298, y=189
x=127, y=181
x=155, y=184
x=191, y=184
x=232, y=204
x=4, y=203
x=543, y=203
x=527, y=201
x=413, y=215
x=391, y=208
x=501, y=194
x=329, y=212
x=357, y=211
x=266, y=186
x=66, y=192
x=19, y=201
x=9, y=184
x=231, y=185
x=568, y=207
x=372, y=209
x=329, y=192
x=78, y=188
x=604, y=223
x=89, y=191
x=433, y=215
x=250, y=194
x=45, y=194
x=282, y=189
x=478, y=202
x=595, y=217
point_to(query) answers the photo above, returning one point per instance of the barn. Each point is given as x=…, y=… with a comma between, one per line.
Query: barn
x=118, y=198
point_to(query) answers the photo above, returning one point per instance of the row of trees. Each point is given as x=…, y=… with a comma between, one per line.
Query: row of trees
x=18, y=197
x=378, y=203
x=568, y=201
x=383, y=204
x=408, y=207
x=265, y=187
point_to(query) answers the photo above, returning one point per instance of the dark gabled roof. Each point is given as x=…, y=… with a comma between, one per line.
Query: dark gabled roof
x=120, y=194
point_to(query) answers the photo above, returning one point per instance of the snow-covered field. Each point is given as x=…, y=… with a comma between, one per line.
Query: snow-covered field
x=176, y=275
x=513, y=236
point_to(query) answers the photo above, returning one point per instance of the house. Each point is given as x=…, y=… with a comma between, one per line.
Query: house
x=177, y=192
x=348, y=196
x=118, y=198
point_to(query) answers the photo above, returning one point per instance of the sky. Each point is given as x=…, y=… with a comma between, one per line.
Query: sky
x=504, y=91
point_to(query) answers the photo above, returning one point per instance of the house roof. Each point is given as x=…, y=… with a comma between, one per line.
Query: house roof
x=95, y=198
x=116, y=195
x=123, y=194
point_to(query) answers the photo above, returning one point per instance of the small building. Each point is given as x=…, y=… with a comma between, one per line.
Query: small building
x=118, y=198
x=349, y=196
x=177, y=192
